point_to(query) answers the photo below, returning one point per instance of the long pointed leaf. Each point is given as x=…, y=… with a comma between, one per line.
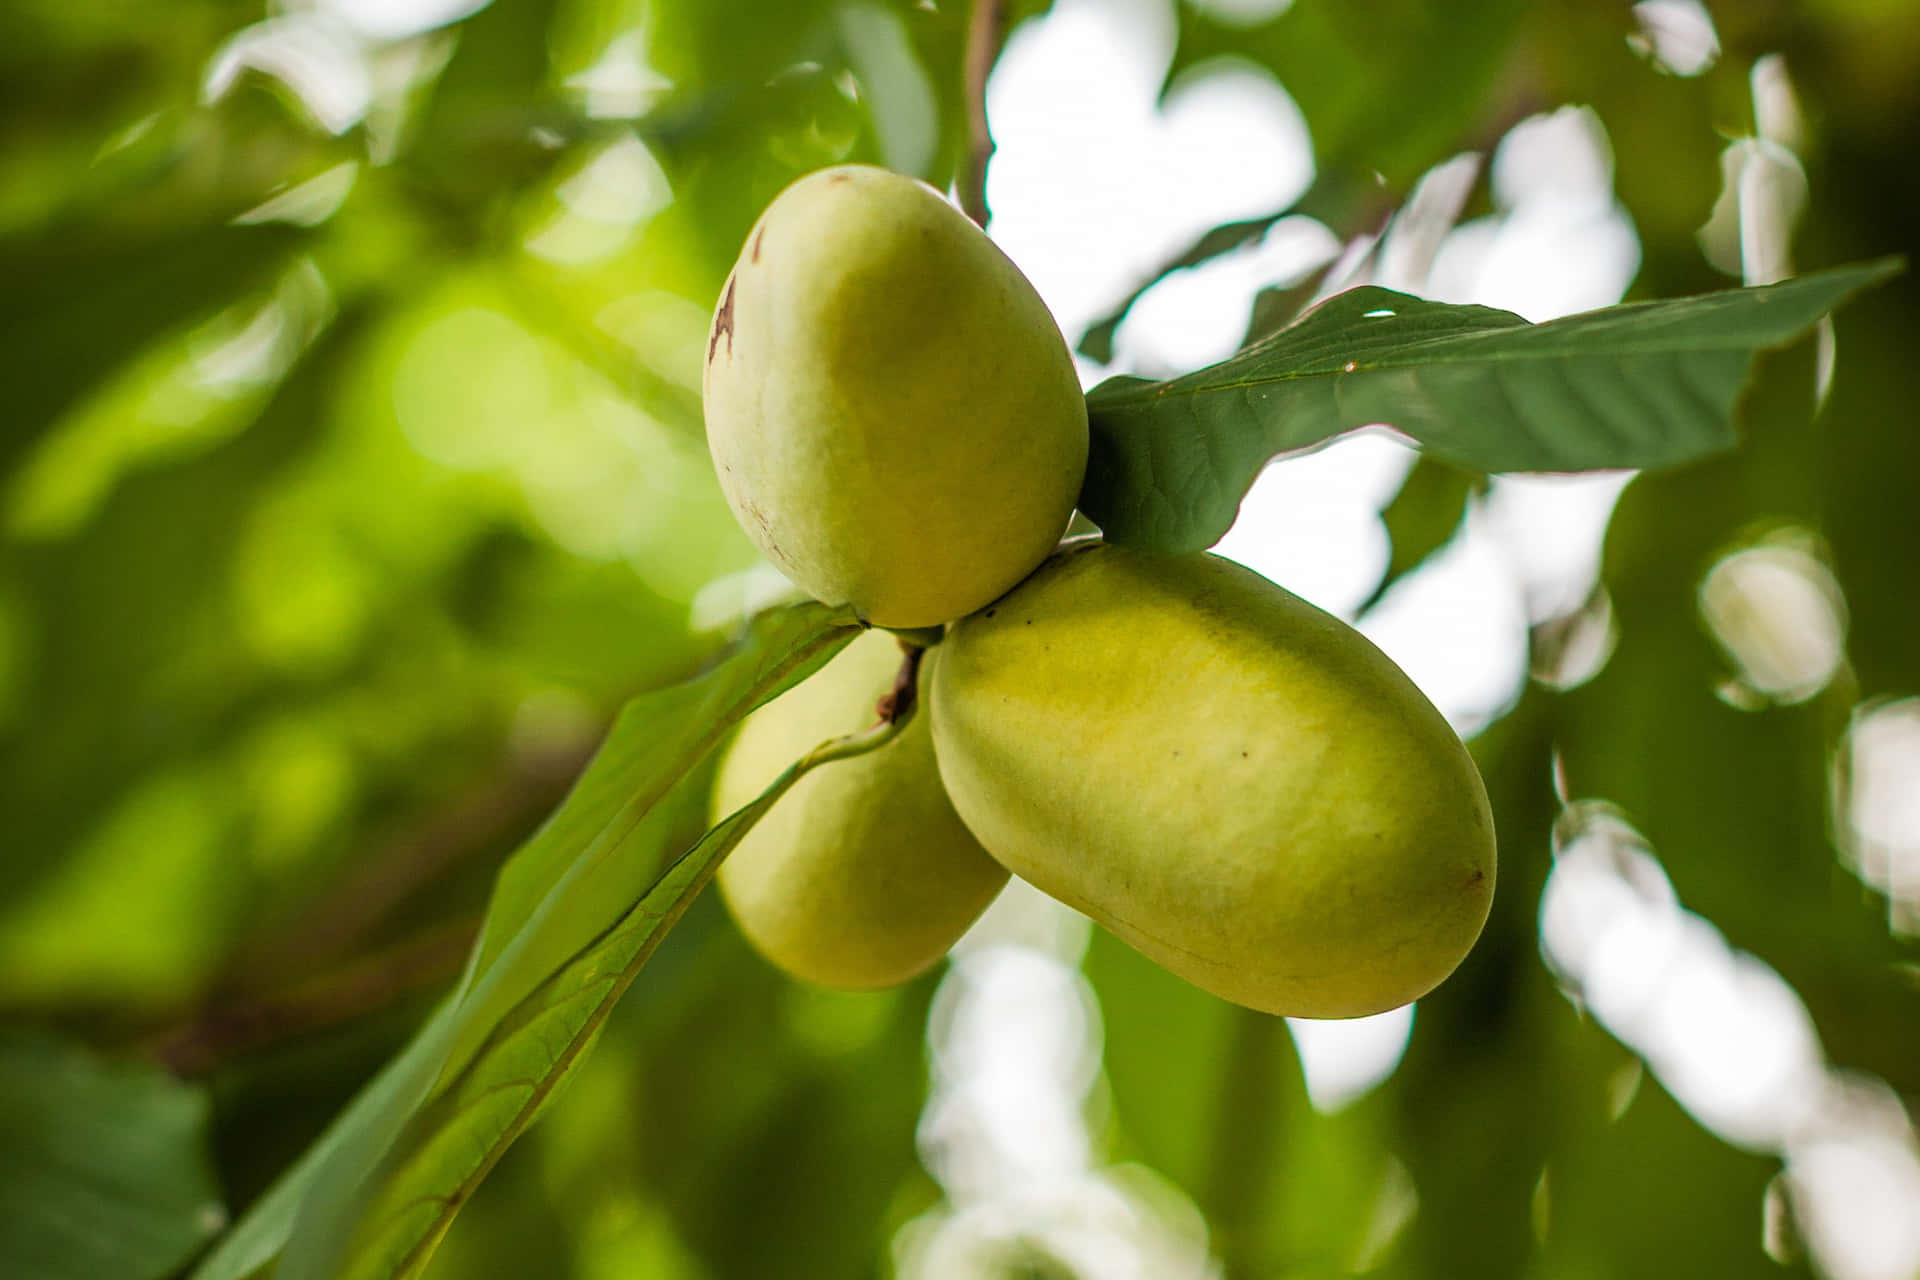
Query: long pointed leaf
x=1650, y=384
x=598, y=854
x=259, y=1236
x=457, y=1139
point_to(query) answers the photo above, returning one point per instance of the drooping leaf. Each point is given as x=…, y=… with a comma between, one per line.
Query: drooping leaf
x=458, y=1138
x=104, y=1168
x=262, y=1232
x=600, y=853
x=585, y=866
x=1647, y=384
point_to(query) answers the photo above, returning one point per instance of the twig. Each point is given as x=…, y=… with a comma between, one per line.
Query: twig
x=986, y=30
x=391, y=874
x=196, y=1047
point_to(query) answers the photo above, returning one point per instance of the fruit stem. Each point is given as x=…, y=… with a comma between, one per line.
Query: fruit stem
x=897, y=704
x=845, y=747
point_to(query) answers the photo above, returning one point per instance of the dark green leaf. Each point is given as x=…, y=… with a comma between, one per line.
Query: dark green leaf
x=1649, y=384
x=104, y=1169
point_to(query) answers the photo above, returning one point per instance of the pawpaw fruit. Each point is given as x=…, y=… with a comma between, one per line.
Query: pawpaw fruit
x=862, y=875
x=1238, y=785
x=893, y=414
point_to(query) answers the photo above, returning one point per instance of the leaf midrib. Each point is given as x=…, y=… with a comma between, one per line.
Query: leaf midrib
x=1163, y=390
x=1602, y=322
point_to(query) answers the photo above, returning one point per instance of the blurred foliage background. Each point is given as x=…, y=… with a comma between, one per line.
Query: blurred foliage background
x=351, y=474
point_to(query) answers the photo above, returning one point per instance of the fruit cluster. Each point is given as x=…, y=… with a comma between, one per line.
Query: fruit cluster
x=1235, y=783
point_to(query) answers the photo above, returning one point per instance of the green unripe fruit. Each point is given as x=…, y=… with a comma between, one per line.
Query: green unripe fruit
x=862, y=875
x=893, y=414
x=1238, y=785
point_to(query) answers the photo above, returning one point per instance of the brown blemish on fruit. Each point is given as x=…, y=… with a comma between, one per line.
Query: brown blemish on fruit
x=759, y=518
x=722, y=323
x=758, y=236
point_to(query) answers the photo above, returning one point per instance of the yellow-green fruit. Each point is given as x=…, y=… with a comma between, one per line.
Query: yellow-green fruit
x=1240, y=786
x=893, y=414
x=862, y=875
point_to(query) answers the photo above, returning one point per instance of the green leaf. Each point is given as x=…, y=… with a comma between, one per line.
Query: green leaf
x=579, y=872
x=104, y=1169
x=603, y=850
x=260, y=1235
x=1648, y=384
x=459, y=1138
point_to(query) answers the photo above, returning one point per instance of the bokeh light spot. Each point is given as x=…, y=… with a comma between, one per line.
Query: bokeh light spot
x=1344, y=1060
x=1678, y=35
x=1876, y=799
x=1778, y=614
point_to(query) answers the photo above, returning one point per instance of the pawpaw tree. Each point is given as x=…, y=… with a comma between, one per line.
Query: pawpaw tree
x=1286, y=631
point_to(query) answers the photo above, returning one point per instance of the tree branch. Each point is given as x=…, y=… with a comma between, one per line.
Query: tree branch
x=374, y=887
x=986, y=30
x=219, y=1033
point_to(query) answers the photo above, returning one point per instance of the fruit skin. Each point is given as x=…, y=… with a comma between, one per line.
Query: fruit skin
x=893, y=413
x=862, y=875
x=1238, y=785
